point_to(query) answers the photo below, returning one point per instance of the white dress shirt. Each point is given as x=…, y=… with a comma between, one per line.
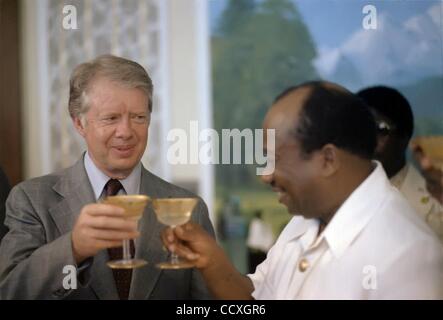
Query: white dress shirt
x=375, y=247
x=413, y=187
x=131, y=184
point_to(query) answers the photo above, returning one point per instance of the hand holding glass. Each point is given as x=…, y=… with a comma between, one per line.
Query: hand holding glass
x=174, y=212
x=134, y=206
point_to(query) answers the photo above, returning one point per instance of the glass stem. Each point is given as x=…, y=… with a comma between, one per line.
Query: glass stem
x=126, y=250
x=174, y=256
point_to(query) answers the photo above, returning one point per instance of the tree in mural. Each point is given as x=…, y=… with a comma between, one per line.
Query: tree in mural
x=259, y=49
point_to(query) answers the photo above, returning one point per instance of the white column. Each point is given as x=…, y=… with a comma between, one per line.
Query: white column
x=163, y=90
x=190, y=86
x=35, y=87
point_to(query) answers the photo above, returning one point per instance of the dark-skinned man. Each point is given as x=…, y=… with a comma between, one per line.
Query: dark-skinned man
x=395, y=126
x=353, y=236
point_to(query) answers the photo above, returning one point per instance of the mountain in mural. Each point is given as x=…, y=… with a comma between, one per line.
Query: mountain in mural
x=397, y=53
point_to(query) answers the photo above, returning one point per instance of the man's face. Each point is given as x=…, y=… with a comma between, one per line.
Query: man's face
x=388, y=144
x=296, y=175
x=115, y=127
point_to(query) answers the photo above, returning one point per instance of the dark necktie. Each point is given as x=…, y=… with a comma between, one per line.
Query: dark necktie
x=122, y=277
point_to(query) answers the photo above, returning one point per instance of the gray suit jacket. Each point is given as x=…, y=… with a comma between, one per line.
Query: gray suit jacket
x=4, y=191
x=40, y=215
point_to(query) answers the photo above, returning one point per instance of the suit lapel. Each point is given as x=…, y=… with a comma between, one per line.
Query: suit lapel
x=76, y=190
x=147, y=246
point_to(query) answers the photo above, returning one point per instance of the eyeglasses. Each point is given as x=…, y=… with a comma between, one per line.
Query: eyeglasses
x=384, y=128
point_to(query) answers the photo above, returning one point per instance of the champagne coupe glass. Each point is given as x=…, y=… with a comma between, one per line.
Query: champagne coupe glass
x=174, y=212
x=134, y=206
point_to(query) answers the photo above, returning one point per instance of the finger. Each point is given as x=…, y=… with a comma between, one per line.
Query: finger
x=183, y=251
x=112, y=223
x=106, y=244
x=169, y=234
x=113, y=235
x=188, y=231
x=168, y=239
x=100, y=209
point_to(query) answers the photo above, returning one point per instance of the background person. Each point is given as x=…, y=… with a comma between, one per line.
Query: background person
x=395, y=126
x=431, y=172
x=260, y=240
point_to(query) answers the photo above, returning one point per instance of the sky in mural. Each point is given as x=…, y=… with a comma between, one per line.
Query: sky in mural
x=405, y=51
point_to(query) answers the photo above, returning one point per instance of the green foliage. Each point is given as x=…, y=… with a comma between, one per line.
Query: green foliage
x=260, y=49
x=425, y=97
x=256, y=199
x=235, y=14
x=428, y=126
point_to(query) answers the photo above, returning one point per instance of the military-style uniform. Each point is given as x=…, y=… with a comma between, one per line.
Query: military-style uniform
x=413, y=186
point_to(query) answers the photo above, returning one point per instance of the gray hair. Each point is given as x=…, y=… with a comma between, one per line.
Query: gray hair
x=123, y=71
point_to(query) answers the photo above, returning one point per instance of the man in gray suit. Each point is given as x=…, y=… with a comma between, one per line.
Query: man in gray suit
x=55, y=221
